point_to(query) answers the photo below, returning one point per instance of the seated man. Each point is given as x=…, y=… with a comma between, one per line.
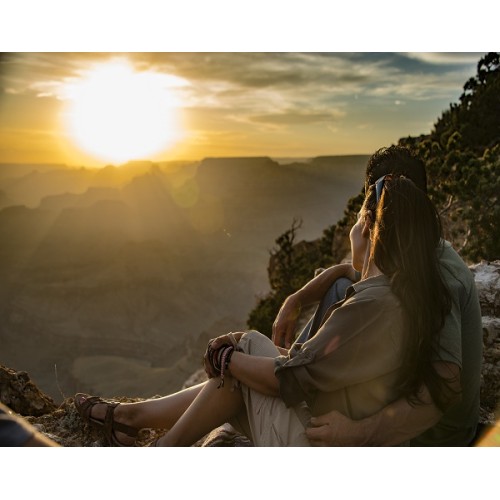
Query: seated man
x=458, y=355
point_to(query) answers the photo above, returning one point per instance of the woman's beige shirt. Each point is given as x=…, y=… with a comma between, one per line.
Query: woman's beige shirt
x=352, y=362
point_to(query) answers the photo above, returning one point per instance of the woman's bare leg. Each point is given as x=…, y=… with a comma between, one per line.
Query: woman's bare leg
x=160, y=413
x=211, y=408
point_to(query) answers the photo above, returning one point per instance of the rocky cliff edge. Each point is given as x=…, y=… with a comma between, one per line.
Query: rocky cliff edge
x=64, y=425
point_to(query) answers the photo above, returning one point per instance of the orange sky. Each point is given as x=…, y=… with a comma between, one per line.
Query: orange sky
x=93, y=109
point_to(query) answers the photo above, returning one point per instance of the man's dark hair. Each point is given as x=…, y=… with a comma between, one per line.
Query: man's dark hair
x=396, y=160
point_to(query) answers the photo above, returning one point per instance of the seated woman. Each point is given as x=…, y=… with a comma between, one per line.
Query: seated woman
x=372, y=348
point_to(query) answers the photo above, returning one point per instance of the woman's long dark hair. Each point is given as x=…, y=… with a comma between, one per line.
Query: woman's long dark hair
x=406, y=238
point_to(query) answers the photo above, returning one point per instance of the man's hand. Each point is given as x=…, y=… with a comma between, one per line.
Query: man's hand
x=334, y=429
x=393, y=425
x=286, y=322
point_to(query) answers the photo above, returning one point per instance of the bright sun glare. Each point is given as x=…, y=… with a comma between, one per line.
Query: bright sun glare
x=118, y=114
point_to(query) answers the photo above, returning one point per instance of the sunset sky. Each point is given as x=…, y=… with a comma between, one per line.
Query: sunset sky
x=93, y=109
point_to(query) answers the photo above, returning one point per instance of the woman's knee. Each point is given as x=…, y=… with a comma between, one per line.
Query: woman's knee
x=257, y=344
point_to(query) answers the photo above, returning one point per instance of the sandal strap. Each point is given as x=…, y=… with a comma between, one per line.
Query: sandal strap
x=110, y=425
x=85, y=408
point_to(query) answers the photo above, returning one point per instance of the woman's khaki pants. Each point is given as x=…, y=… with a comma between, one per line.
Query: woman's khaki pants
x=267, y=421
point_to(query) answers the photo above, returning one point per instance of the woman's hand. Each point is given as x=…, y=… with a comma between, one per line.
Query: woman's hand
x=231, y=338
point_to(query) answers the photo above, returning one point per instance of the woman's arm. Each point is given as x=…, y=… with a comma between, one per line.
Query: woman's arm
x=256, y=372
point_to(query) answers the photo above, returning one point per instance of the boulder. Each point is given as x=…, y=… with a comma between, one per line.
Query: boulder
x=487, y=278
x=21, y=395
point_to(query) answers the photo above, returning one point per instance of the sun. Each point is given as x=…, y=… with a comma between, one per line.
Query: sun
x=117, y=114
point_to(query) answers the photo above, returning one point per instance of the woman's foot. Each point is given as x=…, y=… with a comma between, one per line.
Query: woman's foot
x=109, y=417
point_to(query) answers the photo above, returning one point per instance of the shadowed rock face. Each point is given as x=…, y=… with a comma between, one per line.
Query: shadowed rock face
x=64, y=425
x=22, y=396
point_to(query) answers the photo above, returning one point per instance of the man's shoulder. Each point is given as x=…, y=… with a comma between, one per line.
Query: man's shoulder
x=449, y=255
x=459, y=279
x=453, y=266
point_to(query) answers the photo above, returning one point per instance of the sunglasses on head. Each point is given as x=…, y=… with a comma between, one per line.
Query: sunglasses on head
x=379, y=185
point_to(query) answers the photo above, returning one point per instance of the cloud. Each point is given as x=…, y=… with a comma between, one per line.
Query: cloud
x=252, y=92
x=447, y=58
x=298, y=118
x=242, y=79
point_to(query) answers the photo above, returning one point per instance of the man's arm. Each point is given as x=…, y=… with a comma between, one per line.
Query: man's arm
x=286, y=320
x=393, y=425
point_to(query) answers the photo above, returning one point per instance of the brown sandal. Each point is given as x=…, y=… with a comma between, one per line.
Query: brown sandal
x=84, y=404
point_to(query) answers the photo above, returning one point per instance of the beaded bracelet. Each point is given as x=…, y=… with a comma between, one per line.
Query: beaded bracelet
x=225, y=359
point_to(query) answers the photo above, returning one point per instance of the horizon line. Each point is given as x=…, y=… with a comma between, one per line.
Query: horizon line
x=237, y=157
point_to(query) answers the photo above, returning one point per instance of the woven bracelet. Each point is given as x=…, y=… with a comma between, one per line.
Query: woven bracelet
x=224, y=364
